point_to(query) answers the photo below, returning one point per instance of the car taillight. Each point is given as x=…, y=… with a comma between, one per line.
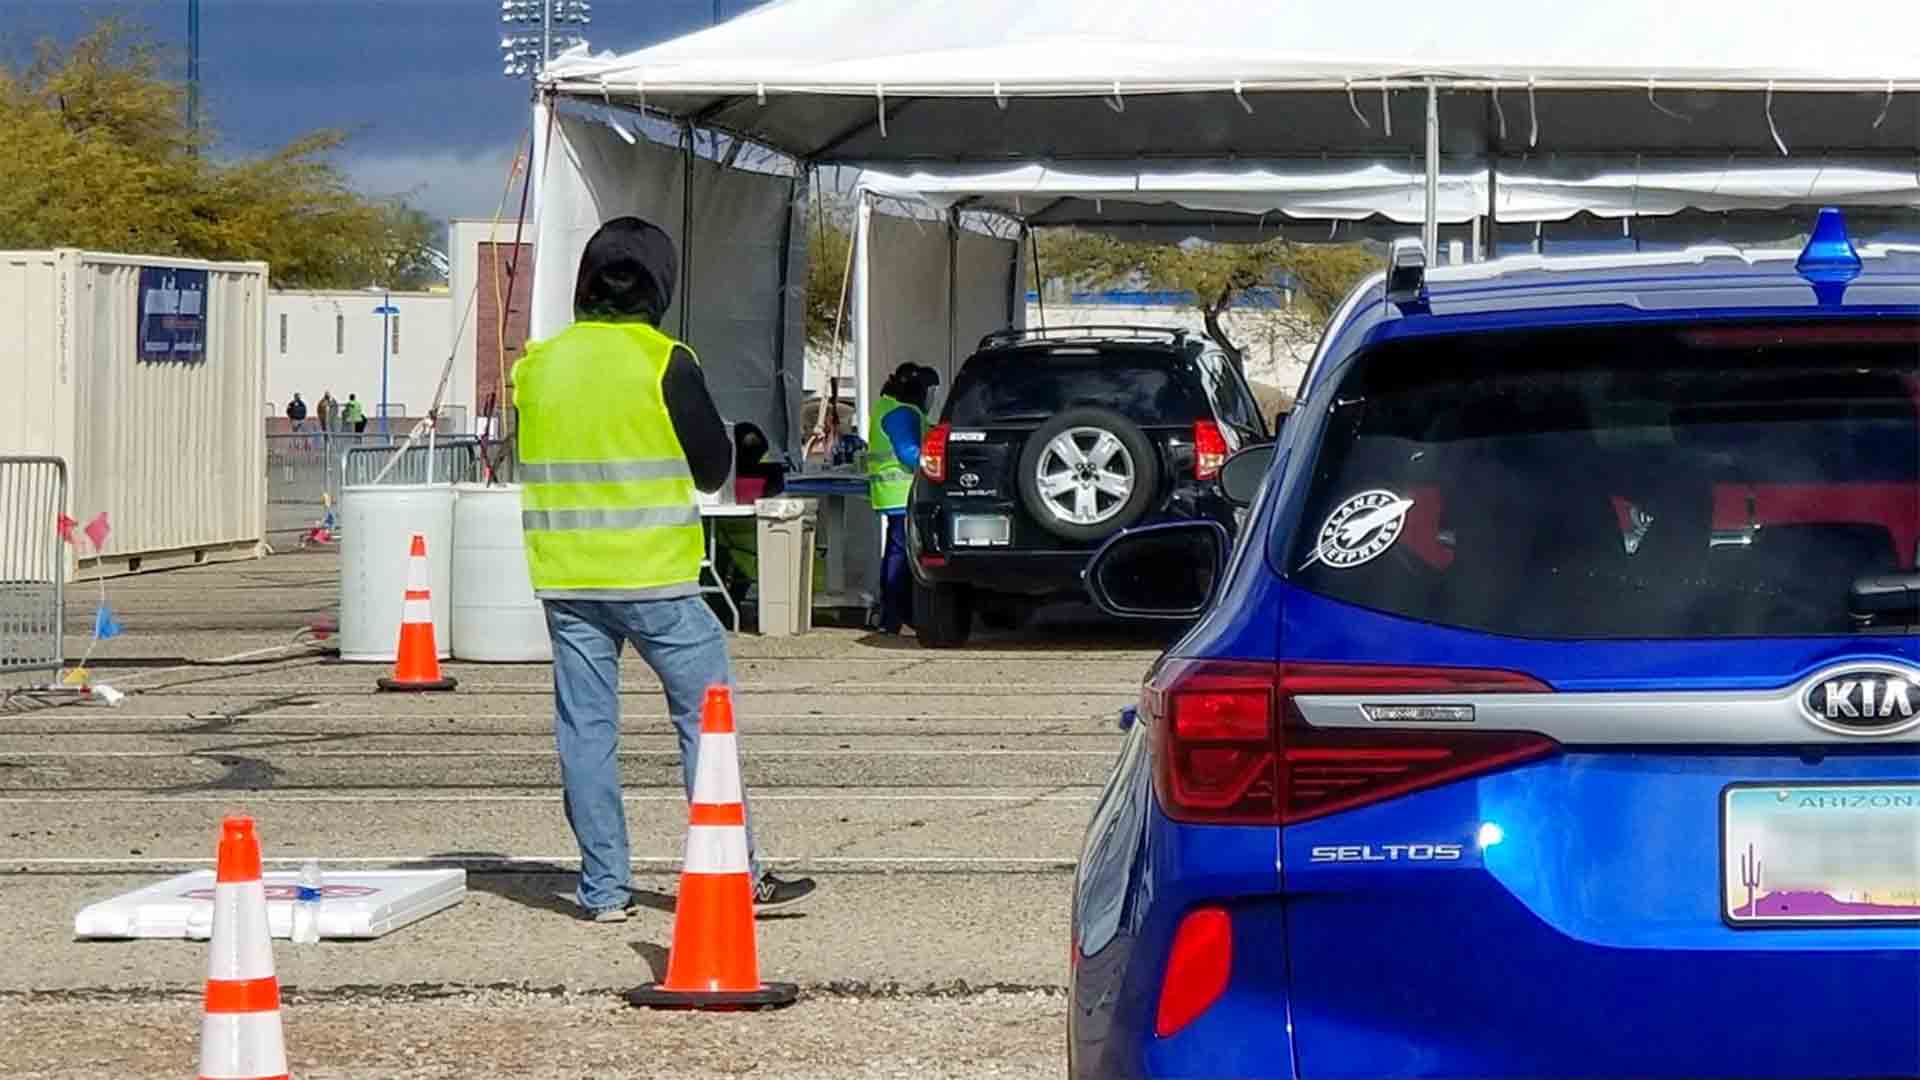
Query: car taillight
x=1209, y=450
x=1230, y=748
x=933, y=453
x=1198, y=968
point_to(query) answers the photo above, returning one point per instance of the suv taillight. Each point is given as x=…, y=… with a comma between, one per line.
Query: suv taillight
x=1230, y=748
x=933, y=453
x=1209, y=450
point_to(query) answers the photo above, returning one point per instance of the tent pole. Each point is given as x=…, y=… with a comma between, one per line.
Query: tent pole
x=1039, y=276
x=1493, y=148
x=1016, y=282
x=782, y=377
x=1493, y=213
x=686, y=236
x=862, y=315
x=1431, y=237
x=953, y=290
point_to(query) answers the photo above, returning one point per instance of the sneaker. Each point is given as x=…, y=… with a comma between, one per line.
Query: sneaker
x=615, y=914
x=773, y=892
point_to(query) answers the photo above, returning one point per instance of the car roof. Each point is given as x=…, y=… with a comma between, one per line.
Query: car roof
x=1533, y=291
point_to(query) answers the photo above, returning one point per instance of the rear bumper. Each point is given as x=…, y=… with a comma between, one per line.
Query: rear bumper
x=1018, y=573
x=1021, y=569
x=1370, y=967
x=1014, y=571
x=1139, y=877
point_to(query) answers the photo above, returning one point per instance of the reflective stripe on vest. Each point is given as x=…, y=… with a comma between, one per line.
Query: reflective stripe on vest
x=608, y=502
x=888, y=481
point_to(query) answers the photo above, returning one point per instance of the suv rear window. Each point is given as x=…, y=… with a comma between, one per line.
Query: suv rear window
x=1148, y=387
x=1710, y=480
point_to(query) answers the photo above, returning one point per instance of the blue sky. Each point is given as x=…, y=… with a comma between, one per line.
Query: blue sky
x=417, y=82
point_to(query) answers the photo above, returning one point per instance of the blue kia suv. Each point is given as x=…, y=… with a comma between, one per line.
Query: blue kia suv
x=1556, y=712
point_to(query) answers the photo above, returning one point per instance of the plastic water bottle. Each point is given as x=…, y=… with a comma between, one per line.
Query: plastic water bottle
x=306, y=905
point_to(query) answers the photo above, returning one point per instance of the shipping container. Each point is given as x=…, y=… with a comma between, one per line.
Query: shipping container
x=147, y=375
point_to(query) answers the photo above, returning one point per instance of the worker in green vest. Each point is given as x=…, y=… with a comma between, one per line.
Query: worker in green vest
x=617, y=431
x=898, y=423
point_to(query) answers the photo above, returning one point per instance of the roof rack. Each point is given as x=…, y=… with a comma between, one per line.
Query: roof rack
x=1104, y=332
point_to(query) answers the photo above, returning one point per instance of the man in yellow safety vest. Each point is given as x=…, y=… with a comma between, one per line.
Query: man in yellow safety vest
x=617, y=430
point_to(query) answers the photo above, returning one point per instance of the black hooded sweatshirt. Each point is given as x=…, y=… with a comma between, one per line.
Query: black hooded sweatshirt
x=628, y=272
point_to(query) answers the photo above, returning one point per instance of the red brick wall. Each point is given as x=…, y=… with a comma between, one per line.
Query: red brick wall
x=489, y=363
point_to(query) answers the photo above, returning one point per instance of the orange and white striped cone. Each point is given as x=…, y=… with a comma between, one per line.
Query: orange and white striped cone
x=240, y=1034
x=416, y=663
x=713, y=964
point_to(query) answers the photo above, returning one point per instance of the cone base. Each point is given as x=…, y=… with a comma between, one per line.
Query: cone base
x=769, y=996
x=396, y=686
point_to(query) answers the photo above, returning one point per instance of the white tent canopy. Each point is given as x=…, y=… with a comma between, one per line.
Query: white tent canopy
x=1095, y=194
x=925, y=290
x=901, y=80
x=1337, y=104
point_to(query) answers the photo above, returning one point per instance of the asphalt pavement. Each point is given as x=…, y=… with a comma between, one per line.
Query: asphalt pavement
x=939, y=798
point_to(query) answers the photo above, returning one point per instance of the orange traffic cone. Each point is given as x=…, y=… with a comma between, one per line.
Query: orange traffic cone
x=416, y=665
x=713, y=964
x=240, y=1035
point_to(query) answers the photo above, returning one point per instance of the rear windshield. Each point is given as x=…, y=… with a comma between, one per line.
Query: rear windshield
x=1702, y=481
x=1027, y=385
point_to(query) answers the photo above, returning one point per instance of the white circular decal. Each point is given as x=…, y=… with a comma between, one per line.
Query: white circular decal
x=1360, y=530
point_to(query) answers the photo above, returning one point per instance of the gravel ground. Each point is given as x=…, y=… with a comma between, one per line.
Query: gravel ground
x=1012, y=1035
x=940, y=798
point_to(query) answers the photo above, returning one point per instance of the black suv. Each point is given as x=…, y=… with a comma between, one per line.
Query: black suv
x=1052, y=441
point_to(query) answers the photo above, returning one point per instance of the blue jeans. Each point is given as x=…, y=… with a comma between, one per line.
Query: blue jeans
x=684, y=644
x=896, y=577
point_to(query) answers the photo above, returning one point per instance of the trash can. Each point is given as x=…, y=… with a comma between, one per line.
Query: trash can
x=785, y=530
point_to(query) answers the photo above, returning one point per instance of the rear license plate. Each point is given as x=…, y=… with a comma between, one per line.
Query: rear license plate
x=982, y=530
x=1812, y=855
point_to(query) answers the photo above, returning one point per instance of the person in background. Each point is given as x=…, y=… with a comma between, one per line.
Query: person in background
x=355, y=415
x=329, y=412
x=617, y=432
x=898, y=422
x=296, y=412
x=738, y=539
x=750, y=462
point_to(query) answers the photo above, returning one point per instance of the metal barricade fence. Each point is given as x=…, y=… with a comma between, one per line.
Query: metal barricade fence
x=306, y=470
x=455, y=461
x=33, y=565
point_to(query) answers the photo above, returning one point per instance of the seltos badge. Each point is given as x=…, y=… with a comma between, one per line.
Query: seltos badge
x=1360, y=530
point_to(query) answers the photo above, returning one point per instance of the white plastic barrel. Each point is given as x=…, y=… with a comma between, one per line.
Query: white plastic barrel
x=496, y=618
x=377, y=524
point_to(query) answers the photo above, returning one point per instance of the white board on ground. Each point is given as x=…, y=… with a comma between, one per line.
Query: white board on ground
x=362, y=905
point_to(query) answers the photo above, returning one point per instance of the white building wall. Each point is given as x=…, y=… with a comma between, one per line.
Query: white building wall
x=320, y=342
x=464, y=238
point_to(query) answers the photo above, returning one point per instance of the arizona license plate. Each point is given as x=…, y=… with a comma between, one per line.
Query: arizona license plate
x=982, y=530
x=1820, y=855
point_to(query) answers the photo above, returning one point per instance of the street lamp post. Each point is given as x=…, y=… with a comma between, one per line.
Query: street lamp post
x=531, y=40
x=386, y=311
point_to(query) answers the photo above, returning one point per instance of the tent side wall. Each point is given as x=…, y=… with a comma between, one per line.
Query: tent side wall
x=174, y=452
x=742, y=257
x=926, y=293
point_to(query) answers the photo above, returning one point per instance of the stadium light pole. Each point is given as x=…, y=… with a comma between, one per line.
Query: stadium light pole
x=536, y=30
x=193, y=67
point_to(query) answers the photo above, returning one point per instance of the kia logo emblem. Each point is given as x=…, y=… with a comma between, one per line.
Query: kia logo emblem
x=1863, y=699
